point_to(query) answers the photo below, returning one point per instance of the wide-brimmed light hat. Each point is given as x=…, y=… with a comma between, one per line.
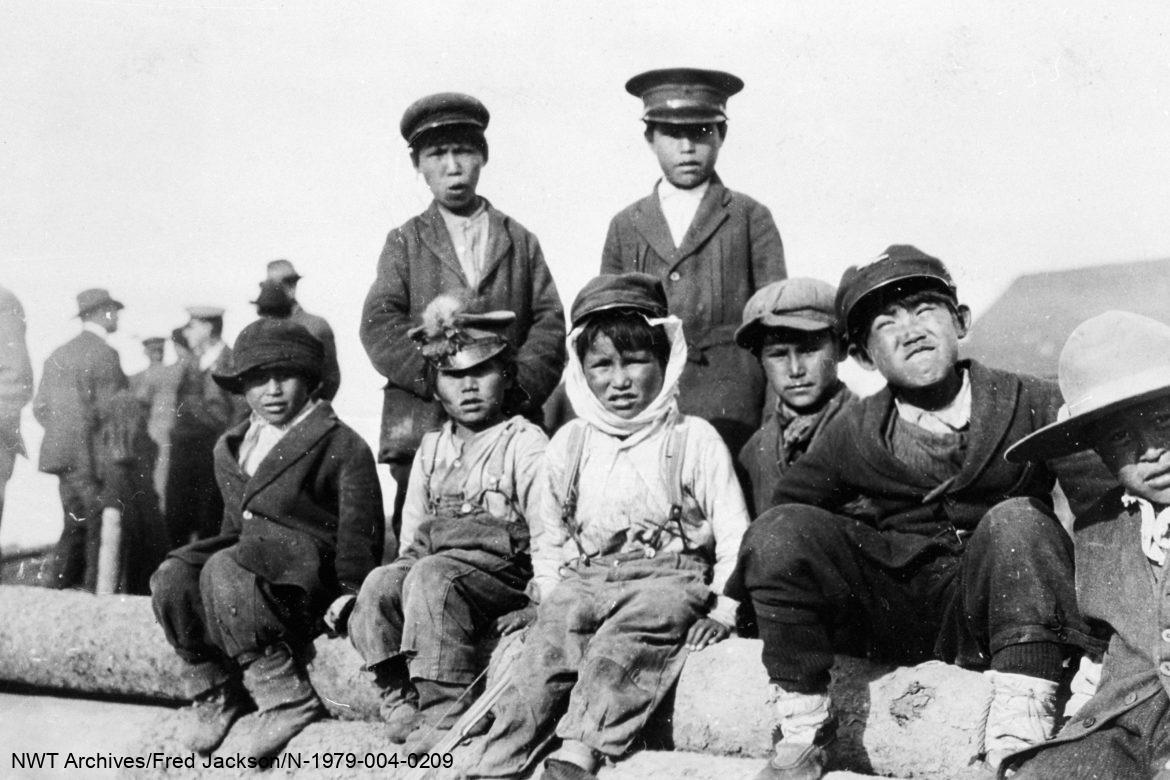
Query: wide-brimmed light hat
x=1110, y=362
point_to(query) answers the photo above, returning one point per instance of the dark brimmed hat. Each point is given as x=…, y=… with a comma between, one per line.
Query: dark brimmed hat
x=453, y=339
x=282, y=271
x=638, y=291
x=901, y=268
x=800, y=304
x=445, y=109
x=684, y=96
x=272, y=344
x=1110, y=362
x=95, y=298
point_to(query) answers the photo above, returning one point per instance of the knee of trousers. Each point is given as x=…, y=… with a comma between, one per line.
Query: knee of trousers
x=174, y=589
x=787, y=533
x=430, y=578
x=1019, y=524
x=223, y=582
x=382, y=587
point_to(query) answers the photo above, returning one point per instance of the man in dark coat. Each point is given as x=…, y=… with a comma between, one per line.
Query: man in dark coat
x=711, y=247
x=282, y=274
x=958, y=554
x=72, y=402
x=302, y=527
x=463, y=246
x=16, y=384
x=1115, y=373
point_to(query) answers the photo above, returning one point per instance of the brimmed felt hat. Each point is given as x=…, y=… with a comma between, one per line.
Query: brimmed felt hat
x=95, y=298
x=453, y=339
x=272, y=344
x=638, y=291
x=282, y=271
x=684, y=96
x=445, y=109
x=900, y=267
x=801, y=304
x=1110, y=362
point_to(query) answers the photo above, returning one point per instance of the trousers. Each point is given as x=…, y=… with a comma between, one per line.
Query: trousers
x=75, y=559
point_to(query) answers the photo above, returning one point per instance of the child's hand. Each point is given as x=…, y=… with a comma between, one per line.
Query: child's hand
x=706, y=632
x=514, y=621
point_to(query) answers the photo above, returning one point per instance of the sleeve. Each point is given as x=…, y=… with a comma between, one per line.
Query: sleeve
x=541, y=358
x=718, y=493
x=816, y=477
x=331, y=380
x=360, y=522
x=611, y=253
x=386, y=320
x=544, y=520
x=414, y=508
x=526, y=462
x=767, y=248
x=16, y=376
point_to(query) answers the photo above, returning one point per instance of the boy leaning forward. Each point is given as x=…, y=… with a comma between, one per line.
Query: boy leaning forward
x=957, y=554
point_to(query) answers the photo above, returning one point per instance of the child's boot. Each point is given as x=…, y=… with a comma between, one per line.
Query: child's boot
x=1022, y=714
x=212, y=714
x=398, y=707
x=280, y=685
x=806, y=727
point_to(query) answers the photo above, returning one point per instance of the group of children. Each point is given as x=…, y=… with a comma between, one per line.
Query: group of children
x=916, y=523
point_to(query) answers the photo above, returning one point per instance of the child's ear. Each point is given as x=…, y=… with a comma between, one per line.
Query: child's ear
x=859, y=354
x=962, y=320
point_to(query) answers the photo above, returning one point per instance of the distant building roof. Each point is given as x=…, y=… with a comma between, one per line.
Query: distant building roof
x=1026, y=328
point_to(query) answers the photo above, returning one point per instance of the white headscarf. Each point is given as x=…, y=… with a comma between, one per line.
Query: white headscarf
x=589, y=407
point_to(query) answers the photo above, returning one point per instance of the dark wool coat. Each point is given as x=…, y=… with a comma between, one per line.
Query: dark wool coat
x=311, y=515
x=78, y=383
x=731, y=249
x=417, y=264
x=852, y=460
x=16, y=376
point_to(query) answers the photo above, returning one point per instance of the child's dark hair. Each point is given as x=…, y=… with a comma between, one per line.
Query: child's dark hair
x=450, y=134
x=874, y=304
x=628, y=330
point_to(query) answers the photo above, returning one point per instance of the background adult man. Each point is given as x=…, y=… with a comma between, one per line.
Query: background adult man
x=16, y=384
x=283, y=274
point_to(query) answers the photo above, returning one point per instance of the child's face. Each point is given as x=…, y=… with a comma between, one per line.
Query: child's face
x=275, y=394
x=686, y=153
x=625, y=382
x=473, y=397
x=801, y=366
x=915, y=345
x=1135, y=445
x=451, y=169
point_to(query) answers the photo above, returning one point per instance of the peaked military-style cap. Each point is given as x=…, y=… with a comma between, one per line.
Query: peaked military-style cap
x=901, y=268
x=154, y=341
x=453, y=339
x=637, y=291
x=442, y=110
x=684, y=96
x=203, y=312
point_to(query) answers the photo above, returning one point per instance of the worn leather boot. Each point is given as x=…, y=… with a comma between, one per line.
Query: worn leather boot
x=211, y=715
x=439, y=707
x=286, y=699
x=806, y=728
x=1022, y=714
x=398, y=705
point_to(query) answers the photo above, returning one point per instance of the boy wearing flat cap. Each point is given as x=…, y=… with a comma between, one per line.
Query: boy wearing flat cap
x=1115, y=376
x=302, y=527
x=463, y=556
x=711, y=247
x=791, y=327
x=958, y=554
x=464, y=246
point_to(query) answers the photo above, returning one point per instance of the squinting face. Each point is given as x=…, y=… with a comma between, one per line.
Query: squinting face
x=451, y=169
x=473, y=397
x=801, y=367
x=686, y=153
x=915, y=346
x=276, y=395
x=625, y=382
x=1135, y=445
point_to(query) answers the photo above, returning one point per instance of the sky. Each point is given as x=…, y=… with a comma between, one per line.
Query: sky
x=167, y=151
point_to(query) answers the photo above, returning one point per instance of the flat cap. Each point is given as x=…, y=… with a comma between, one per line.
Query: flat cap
x=282, y=270
x=442, y=110
x=96, y=297
x=204, y=312
x=900, y=267
x=641, y=292
x=272, y=344
x=801, y=304
x=684, y=96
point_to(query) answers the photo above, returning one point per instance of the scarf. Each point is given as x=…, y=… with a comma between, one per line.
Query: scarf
x=798, y=430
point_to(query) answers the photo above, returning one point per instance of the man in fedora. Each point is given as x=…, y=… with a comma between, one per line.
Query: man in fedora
x=282, y=274
x=711, y=247
x=1115, y=376
x=72, y=404
x=16, y=384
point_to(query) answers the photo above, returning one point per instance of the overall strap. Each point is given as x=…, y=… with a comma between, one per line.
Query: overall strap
x=577, y=436
x=676, y=444
x=428, y=451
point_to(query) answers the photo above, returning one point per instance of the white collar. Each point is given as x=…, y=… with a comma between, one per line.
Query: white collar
x=210, y=355
x=1155, y=531
x=451, y=218
x=952, y=418
x=96, y=330
x=667, y=191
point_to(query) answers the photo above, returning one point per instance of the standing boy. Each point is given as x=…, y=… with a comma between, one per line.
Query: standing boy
x=302, y=527
x=711, y=247
x=464, y=246
x=791, y=328
x=959, y=555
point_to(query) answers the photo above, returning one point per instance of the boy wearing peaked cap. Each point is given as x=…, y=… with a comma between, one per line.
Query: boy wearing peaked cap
x=791, y=327
x=711, y=247
x=301, y=529
x=464, y=246
x=957, y=554
x=1115, y=375
x=463, y=556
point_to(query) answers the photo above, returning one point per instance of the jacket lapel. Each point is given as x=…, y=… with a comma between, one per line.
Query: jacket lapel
x=499, y=242
x=651, y=223
x=876, y=417
x=433, y=233
x=993, y=404
x=290, y=449
x=711, y=214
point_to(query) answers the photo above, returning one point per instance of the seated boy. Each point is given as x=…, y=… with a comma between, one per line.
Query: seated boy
x=958, y=554
x=1115, y=373
x=302, y=526
x=463, y=559
x=641, y=517
x=791, y=328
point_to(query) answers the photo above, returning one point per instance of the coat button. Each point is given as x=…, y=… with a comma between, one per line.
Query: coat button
x=1164, y=668
x=1166, y=634
x=1131, y=698
x=247, y=514
x=675, y=276
x=465, y=508
x=1089, y=722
